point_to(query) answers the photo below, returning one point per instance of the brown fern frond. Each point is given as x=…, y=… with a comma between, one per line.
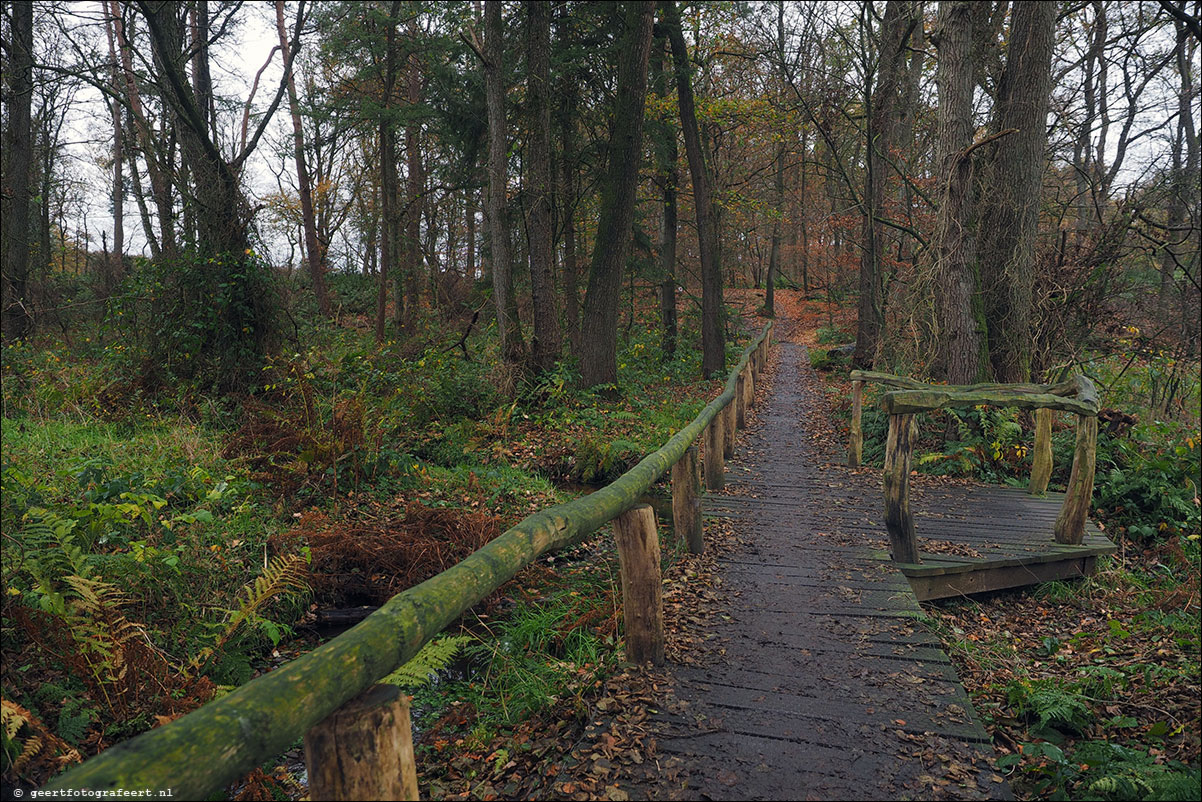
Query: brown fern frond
x=45, y=748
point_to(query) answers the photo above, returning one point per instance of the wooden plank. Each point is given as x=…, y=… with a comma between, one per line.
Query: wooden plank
x=999, y=578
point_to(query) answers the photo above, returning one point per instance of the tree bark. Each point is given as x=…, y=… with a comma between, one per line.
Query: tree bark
x=388, y=175
x=546, y=344
x=778, y=195
x=1011, y=191
x=958, y=345
x=666, y=155
x=899, y=22
x=410, y=278
x=314, y=251
x=18, y=158
x=599, y=329
x=160, y=181
x=114, y=271
x=713, y=335
x=509, y=329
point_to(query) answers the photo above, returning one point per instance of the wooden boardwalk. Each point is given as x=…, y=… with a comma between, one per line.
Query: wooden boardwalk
x=823, y=684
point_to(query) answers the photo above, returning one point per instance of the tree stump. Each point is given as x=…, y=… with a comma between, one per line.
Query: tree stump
x=364, y=749
x=642, y=591
x=686, y=501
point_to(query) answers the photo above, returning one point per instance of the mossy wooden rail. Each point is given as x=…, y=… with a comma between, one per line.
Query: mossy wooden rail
x=211, y=747
x=910, y=397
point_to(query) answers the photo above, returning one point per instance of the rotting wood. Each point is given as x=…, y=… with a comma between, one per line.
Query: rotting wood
x=715, y=463
x=299, y=694
x=899, y=521
x=855, y=446
x=686, y=501
x=642, y=588
x=1041, y=454
x=364, y=749
x=1070, y=524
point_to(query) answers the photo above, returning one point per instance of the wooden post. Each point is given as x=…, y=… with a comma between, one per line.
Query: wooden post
x=364, y=749
x=728, y=430
x=1041, y=456
x=855, y=446
x=741, y=400
x=754, y=362
x=1070, y=523
x=898, y=520
x=642, y=591
x=715, y=467
x=686, y=501
x=749, y=389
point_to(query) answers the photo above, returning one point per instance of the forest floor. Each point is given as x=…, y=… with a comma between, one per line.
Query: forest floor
x=360, y=456
x=1019, y=653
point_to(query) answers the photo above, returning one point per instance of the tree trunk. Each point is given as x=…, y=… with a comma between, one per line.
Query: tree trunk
x=415, y=182
x=599, y=330
x=546, y=344
x=899, y=22
x=669, y=176
x=160, y=180
x=508, y=326
x=778, y=196
x=115, y=270
x=18, y=158
x=566, y=109
x=388, y=176
x=713, y=336
x=1011, y=191
x=958, y=348
x=314, y=252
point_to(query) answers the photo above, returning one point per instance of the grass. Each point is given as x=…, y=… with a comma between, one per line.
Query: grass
x=177, y=502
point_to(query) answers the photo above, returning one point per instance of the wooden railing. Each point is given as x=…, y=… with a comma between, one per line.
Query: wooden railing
x=1077, y=395
x=357, y=736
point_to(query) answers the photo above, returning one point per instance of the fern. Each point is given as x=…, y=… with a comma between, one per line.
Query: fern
x=39, y=741
x=433, y=657
x=1134, y=774
x=1052, y=704
x=101, y=631
x=284, y=575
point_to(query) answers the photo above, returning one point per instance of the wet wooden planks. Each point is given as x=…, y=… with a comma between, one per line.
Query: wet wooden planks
x=823, y=683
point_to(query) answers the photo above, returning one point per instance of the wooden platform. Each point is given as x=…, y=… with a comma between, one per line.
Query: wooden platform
x=978, y=539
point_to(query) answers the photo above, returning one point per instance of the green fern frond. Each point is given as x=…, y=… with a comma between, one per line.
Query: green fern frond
x=434, y=657
x=283, y=575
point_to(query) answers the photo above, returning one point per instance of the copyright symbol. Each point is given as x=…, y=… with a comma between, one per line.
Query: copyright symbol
x=18, y=793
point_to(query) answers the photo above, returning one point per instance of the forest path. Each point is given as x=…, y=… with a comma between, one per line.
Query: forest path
x=816, y=680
